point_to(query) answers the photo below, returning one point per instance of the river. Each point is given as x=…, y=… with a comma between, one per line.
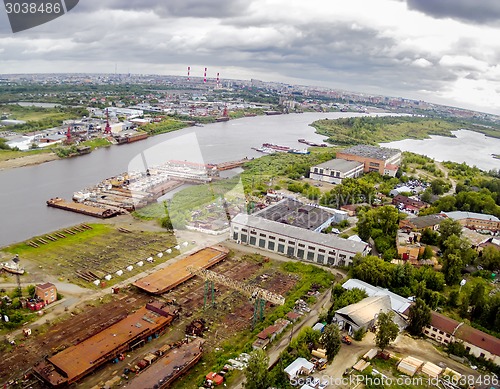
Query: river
x=470, y=147
x=25, y=190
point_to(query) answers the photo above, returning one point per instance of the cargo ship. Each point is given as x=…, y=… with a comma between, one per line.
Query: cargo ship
x=312, y=143
x=279, y=148
x=264, y=150
x=270, y=113
x=129, y=138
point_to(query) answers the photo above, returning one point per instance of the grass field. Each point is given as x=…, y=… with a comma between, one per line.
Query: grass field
x=102, y=250
x=5, y=155
x=373, y=130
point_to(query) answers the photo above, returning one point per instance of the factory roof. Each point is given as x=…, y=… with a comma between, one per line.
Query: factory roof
x=460, y=215
x=169, y=277
x=381, y=153
x=293, y=212
x=341, y=165
x=363, y=312
x=293, y=232
x=398, y=303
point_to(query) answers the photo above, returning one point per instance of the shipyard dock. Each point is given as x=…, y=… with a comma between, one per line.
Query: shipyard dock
x=171, y=366
x=171, y=276
x=75, y=362
x=134, y=190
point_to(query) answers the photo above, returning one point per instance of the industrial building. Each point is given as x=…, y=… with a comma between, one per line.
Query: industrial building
x=294, y=213
x=169, y=277
x=77, y=361
x=480, y=344
x=294, y=241
x=362, y=314
x=383, y=160
x=335, y=170
x=475, y=221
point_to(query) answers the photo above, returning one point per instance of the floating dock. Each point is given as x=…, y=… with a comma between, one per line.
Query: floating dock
x=168, y=278
x=75, y=362
x=162, y=373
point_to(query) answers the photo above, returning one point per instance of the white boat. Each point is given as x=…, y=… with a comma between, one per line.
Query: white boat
x=12, y=268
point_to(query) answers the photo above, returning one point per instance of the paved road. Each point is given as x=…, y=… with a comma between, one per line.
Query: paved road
x=275, y=350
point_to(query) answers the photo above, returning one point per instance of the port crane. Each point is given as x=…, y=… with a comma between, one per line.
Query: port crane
x=258, y=295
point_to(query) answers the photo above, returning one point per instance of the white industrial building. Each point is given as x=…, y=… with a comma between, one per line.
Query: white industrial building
x=335, y=170
x=294, y=241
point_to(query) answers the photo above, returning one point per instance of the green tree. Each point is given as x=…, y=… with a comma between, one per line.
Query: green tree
x=387, y=330
x=419, y=317
x=490, y=258
x=452, y=268
x=429, y=236
x=428, y=253
x=453, y=298
x=331, y=340
x=447, y=228
x=256, y=374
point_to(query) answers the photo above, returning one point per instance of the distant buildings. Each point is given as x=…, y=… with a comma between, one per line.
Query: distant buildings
x=418, y=224
x=409, y=204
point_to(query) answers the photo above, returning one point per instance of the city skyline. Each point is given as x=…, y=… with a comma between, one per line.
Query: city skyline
x=442, y=53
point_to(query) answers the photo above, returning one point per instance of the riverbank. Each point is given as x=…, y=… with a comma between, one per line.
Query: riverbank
x=27, y=160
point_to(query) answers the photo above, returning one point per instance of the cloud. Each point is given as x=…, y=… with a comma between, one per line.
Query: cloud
x=472, y=11
x=386, y=49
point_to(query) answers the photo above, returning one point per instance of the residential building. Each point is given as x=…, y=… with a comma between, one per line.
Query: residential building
x=420, y=223
x=383, y=160
x=475, y=221
x=46, y=292
x=409, y=249
x=480, y=344
x=335, y=170
x=295, y=242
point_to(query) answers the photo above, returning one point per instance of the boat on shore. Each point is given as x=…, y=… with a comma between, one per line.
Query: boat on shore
x=11, y=268
x=300, y=152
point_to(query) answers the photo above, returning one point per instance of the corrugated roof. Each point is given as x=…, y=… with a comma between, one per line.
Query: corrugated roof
x=293, y=232
x=398, y=303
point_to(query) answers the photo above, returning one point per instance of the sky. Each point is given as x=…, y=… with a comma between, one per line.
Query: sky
x=442, y=51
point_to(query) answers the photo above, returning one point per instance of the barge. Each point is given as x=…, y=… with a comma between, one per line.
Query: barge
x=102, y=213
x=162, y=373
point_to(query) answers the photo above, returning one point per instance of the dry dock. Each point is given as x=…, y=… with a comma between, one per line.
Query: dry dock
x=170, y=367
x=168, y=278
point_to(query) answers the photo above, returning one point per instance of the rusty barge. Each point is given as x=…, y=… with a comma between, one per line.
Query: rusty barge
x=75, y=362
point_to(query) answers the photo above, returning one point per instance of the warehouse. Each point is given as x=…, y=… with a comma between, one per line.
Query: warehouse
x=383, y=160
x=295, y=242
x=335, y=170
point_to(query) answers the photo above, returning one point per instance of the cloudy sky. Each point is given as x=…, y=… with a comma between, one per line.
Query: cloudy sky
x=444, y=51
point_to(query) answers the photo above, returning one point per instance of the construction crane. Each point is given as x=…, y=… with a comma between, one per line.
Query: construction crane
x=259, y=295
